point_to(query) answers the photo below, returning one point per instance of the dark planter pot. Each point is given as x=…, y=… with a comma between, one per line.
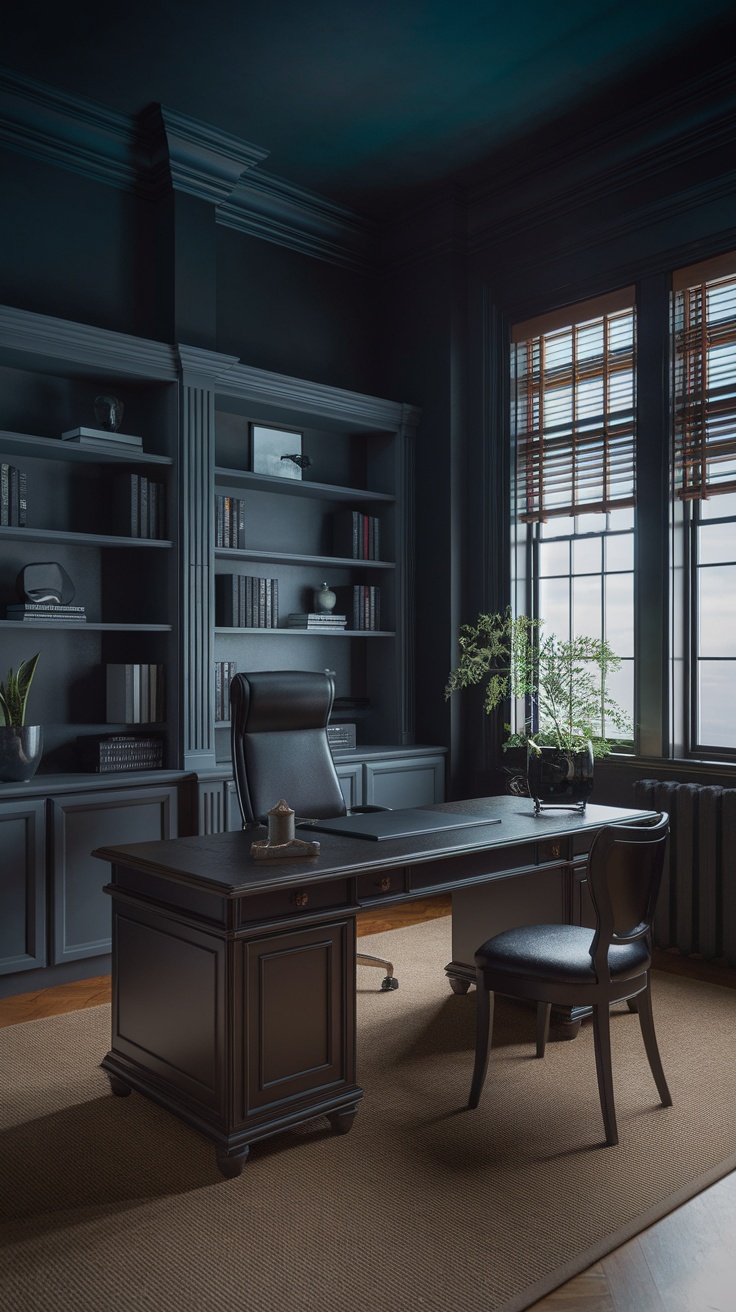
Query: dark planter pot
x=20, y=752
x=560, y=779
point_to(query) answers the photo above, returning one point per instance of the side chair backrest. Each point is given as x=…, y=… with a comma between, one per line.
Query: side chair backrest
x=624, y=876
x=280, y=746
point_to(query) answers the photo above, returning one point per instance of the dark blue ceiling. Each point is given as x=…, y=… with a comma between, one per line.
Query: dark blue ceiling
x=360, y=101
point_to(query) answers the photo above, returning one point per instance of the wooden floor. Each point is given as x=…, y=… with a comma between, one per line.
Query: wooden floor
x=685, y=1263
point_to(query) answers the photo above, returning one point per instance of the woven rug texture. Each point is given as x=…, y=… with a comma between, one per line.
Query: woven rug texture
x=112, y=1205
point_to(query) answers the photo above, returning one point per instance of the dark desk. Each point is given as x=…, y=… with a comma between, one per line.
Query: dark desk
x=234, y=997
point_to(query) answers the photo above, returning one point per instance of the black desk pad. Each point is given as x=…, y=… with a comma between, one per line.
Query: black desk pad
x=396, y=824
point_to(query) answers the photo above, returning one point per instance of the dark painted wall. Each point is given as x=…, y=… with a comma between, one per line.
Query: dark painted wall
x=280, y=310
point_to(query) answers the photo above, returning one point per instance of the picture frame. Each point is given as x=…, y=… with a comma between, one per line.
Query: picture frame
x=277, y=452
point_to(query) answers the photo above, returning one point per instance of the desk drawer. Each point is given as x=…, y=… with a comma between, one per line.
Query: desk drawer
x=381, y=883
x=288, y=903
x=471, y=865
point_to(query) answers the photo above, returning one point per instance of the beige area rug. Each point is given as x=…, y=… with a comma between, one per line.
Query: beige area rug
x=112, y=1205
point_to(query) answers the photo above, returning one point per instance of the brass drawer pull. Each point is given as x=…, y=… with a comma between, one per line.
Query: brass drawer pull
x=301, y=899
x=385, y=884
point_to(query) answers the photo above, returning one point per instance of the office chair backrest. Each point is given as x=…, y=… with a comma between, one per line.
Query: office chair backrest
x=280, y=748
x=624, y=875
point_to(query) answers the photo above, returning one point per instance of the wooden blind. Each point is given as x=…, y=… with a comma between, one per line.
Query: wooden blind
x=705, y=383
x=574, y=411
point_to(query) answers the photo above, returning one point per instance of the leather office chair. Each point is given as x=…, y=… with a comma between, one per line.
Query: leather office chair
x=280, y=750
x=580, y=967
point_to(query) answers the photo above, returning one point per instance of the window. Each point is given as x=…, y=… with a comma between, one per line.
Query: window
x=573, y=425
x=705, y=495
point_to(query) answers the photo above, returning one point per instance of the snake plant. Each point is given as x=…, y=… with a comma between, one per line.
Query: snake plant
x=14, y=693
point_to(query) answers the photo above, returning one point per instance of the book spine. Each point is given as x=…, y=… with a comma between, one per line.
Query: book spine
x=240, y=529
x=143, y=507
x=22, y=497
x=218, y=521
x=4, y=494
x=275, y=603
x=13, y=496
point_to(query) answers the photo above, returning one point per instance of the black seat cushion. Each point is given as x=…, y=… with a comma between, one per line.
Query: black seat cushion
x=559, y=953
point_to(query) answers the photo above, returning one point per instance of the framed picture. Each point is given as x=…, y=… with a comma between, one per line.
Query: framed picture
x=277, y=452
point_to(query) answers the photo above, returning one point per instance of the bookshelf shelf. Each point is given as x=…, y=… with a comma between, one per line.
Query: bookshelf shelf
x=293, y=487
x=61, y=538
x=311, y=633
x=88, y=627
x=296, y=558
x=50, y=448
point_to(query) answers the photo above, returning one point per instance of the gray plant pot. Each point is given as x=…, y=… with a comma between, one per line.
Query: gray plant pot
x=20, y=752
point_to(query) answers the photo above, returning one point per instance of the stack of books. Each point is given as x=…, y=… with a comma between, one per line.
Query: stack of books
x=243, y=601
x=224, y=671
x=317, y=620
x=139, y=508
x=13, y=500
x=102, y=753
x=98, y=439
x=46, y=612
x=356, y=536
x=229, y=522
x=362, y=604
x=135, y=694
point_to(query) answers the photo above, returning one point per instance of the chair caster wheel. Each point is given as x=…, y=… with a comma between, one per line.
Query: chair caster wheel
x=390, y=982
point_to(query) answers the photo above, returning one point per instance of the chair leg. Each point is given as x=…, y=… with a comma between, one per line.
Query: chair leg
x=646, y=1020
x=484, y=1001
x=390, y=981
x=543, y=1014
x=602, y=1036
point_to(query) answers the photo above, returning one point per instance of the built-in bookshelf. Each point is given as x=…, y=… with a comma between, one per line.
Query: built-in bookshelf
x=344, y=520
x=122, y=566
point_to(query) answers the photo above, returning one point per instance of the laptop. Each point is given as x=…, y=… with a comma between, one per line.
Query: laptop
x=397, y=824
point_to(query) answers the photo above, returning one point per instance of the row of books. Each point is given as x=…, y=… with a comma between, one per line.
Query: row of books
x=356, y=536
x=101, y=753
x=139, y=509
x=366, y=607
x=45, y=612
x=224, y=671
x=229, y=522
x=13, y=496
x=244, y=601
x=316, y=620
x=136, y=694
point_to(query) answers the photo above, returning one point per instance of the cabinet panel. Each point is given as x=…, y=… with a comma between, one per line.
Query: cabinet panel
x=80, y=823
x=351, y=783
x=299, y=1037
x=399, y=784
x=481, y=910
x=22, y=901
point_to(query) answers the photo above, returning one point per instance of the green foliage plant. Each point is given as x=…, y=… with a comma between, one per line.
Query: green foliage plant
x=561, y=684
x=14, y=693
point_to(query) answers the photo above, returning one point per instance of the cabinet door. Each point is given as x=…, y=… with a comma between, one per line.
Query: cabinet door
x=22, y=904
x=351, y=783
x=80, y=823
x=403, y=783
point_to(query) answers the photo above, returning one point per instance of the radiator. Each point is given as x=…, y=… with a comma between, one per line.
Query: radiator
x=696, y=911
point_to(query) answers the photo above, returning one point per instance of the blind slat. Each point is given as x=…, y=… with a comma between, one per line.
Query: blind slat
x=705, y=386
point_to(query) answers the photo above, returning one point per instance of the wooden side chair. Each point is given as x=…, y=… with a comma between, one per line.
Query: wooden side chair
x=573, y=966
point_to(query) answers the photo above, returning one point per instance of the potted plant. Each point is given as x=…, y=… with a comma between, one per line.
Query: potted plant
x=20, y=744
x=561, y=686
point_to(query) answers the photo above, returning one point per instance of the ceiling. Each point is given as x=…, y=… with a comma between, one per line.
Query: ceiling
x=365, y=102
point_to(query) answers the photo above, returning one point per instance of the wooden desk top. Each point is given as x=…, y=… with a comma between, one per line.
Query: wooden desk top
x=222, y=864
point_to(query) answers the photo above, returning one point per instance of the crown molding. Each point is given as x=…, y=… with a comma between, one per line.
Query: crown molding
x=193, y=157
x=71, y=132
x=676, y=131
x=163, y=150
x=316, y=400
x=202, y=368
x=47, y=341
x=276, y=210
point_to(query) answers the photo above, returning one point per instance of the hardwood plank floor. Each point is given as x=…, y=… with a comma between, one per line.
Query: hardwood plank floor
x=684, y=1263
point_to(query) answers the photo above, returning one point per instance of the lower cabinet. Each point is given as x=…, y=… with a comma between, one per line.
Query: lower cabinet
x=23, y=887
x=398, y=784
x=78, y=824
